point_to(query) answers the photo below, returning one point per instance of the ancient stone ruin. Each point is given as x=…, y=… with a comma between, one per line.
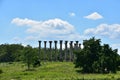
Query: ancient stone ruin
x=63, y=53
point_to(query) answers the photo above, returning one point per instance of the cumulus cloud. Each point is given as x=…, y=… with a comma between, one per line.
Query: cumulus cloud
x=94, y=16
x=28, y=22
x=72, y=14
x=52, y=28
x=111, y=31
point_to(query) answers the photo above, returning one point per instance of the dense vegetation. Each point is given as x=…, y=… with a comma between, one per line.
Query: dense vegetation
x=17, y=53
x=28, y=54
x=97, y=58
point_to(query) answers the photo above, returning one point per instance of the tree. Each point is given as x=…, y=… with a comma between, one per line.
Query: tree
x=108, y=59
x=95, y=58
x=28, y=56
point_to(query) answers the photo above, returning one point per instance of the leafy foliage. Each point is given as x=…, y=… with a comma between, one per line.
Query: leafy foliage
x=28, y=56
x=10, y=53
x=95, y=58
x=17, y=52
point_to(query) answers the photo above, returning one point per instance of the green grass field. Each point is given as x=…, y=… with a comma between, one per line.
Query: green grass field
x=50, y=71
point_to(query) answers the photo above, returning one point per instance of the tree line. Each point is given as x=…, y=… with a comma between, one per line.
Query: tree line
x=28, y=54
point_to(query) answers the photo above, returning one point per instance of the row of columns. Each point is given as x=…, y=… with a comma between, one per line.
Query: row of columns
x=75, y=47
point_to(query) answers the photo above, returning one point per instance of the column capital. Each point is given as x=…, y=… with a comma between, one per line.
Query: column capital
x=71, y=42
x=77, y=42
x=61, y=41
x=55, y=41
x=39, y=41
x=50, y=41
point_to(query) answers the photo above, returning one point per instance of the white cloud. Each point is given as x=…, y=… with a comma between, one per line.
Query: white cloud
x=72, y=14
x=28, y=22
x=49, y=29
x=57, y=29
x=106, y=31
x=111, y=31
x=94, y=16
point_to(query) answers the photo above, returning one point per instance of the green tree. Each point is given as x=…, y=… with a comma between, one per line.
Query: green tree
x=28, y=56
x=94, y=58
x=108, y=59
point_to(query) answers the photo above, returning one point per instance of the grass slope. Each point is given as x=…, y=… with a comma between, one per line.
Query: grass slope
x=50, y=71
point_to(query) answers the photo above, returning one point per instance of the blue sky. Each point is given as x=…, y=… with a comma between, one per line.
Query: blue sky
x=27, y=21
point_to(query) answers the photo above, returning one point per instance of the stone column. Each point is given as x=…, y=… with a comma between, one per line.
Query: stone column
x=75, y=46
x=75, y=49
x=71, y=50
x=65, y=49
x=60, y=50
x=45, y=42
x=50, y=49
x=79, y=46
x=71, y=44
x=39, y=49
x=55, y=49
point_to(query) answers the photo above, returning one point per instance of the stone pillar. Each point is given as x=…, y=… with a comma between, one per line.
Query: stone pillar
x=60, y=50
x=79, y=46
x=75, y=49
x=75, y=46
x=45, y=42
x=50, y=49
x=71, y=44
x=39, y=49
x=55, y=49
x=71, y=50
x=65, y=50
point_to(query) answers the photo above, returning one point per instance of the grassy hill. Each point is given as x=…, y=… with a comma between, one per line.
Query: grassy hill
x=50, y=71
